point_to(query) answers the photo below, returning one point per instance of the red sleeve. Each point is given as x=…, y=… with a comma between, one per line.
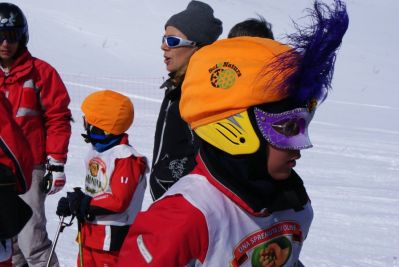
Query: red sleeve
x=15, y=151
x=171, y=233
x=55, y=101
x=124, y=182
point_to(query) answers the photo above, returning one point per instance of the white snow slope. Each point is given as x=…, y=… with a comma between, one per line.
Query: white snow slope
x=352, y=173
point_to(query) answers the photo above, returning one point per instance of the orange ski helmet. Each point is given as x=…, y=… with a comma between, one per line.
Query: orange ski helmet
x=109, y=111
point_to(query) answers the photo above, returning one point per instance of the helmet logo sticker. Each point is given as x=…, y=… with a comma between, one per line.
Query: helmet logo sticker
x=8, y=21
x=224, y=75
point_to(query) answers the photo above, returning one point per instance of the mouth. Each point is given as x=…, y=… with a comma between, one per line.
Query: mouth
x=5, y=52
x=291, y=163
x=167, y=60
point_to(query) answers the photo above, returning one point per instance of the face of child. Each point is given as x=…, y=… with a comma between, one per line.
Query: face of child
x=176, y=59
x=280, y=162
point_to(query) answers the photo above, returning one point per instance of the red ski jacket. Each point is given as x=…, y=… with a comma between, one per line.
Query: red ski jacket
x=39, y=103
x=14, y=149
x=116, y=179
x=201, y=222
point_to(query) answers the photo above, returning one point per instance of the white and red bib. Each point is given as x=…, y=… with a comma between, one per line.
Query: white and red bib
x=238, y=238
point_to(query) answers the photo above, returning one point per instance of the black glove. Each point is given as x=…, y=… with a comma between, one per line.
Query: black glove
x=79, y=204
x=63, y=208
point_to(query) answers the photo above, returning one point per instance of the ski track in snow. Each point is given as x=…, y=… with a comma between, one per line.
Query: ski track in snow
x=363, y=105
x=133, y=97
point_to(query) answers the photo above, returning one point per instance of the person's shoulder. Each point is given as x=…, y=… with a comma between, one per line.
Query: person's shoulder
x=126, y=154
x=176, y=208
x=42, y=65
x=199, y=192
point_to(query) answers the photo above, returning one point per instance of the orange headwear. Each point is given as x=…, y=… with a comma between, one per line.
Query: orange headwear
x=108, y=110
x=224, y=79
x=227, y=77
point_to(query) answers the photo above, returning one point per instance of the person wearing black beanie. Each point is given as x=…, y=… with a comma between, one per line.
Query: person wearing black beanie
x=198, y=23
x=175, y=146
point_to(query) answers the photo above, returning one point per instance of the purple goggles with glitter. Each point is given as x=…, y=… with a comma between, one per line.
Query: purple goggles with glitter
x=286, y=130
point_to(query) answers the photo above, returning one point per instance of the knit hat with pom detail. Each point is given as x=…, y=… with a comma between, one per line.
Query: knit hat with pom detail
x=109, y=111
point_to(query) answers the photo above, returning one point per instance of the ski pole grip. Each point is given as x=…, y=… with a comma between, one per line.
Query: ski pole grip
x=55, y=168
x=47, y=182
x=77, y=189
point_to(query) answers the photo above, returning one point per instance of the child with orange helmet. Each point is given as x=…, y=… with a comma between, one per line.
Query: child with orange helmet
x=250, y=101
x=115, y=179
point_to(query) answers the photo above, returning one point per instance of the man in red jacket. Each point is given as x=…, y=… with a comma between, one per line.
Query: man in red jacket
x=39, y=103
x=15, y=178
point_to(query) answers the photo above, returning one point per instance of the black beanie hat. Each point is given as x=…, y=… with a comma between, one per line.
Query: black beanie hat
x=197, y=23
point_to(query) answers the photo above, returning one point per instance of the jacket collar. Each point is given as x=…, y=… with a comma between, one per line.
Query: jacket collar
x=21, y=67
x=172, y=87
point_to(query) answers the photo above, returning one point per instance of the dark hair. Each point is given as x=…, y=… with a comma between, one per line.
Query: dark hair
x=256, y=27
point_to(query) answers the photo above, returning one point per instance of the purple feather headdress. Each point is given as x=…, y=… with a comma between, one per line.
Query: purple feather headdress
x=314, y=52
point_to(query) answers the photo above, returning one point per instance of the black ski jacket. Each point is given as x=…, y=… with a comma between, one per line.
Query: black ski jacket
x=175, y=145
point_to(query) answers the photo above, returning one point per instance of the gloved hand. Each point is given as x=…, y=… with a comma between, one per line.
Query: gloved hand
x=79, y=204
x=63, y=207
x=55, y=179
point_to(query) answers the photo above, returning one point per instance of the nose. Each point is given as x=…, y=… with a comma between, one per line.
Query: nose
x=295, y=154
x=298, y=154
x=164, y=47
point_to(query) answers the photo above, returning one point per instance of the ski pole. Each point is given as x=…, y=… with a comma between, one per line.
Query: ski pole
x=80, y=243
x=78, y=189
x=60, y=228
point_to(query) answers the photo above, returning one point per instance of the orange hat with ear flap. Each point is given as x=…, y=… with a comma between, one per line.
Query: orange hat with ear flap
x=109, y=111
x=222, y=81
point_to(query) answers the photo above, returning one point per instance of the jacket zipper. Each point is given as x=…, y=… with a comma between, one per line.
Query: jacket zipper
x=162, y=133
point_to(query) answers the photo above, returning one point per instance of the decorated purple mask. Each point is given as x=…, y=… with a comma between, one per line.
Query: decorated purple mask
x=286, y=130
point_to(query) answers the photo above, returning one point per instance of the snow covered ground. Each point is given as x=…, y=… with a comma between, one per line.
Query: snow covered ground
x=352, y=173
